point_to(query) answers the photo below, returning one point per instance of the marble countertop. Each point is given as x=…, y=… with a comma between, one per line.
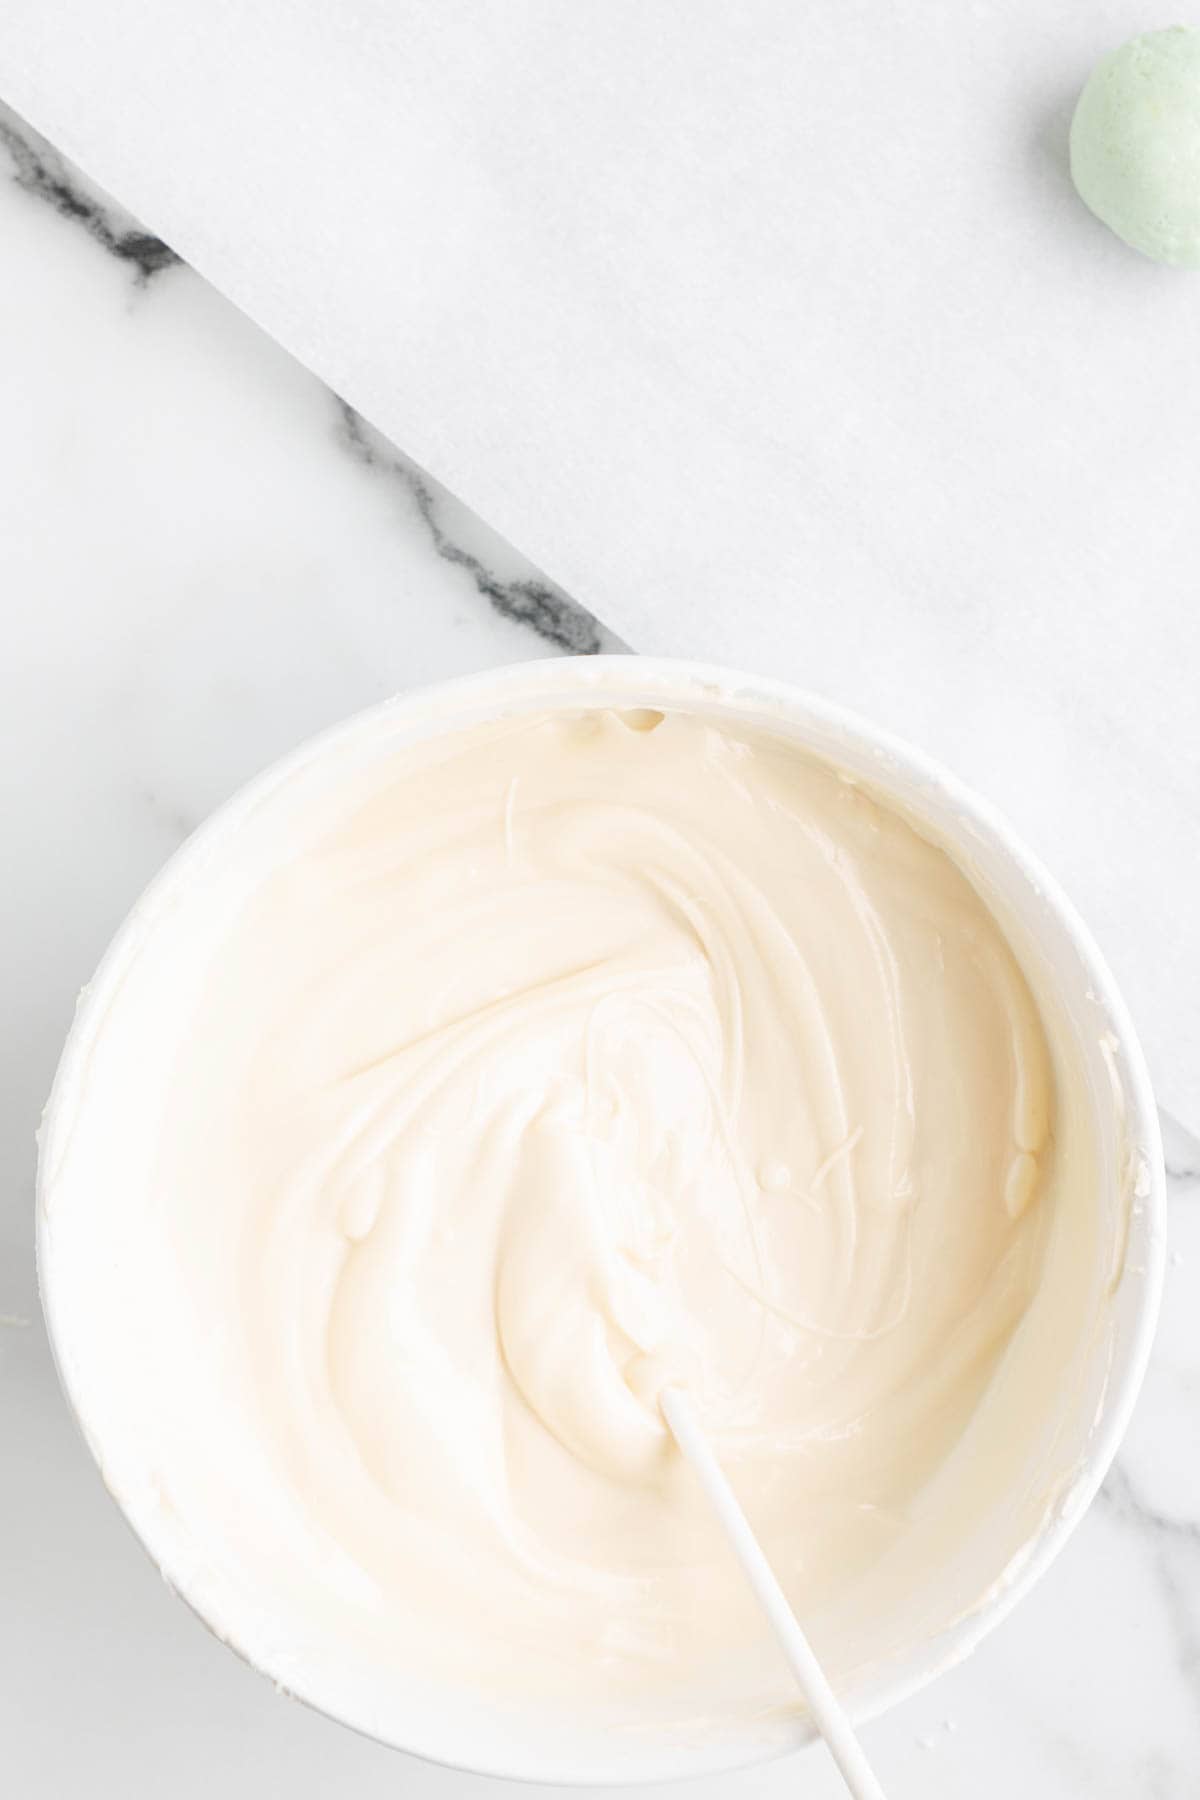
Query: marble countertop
x=205, y=556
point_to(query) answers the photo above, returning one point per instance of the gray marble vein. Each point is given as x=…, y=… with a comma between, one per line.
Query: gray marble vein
x=1120, y=1497
x=528, y=598
x=1172, y=1545
x=1181, y=1151
x=521, y=594
x=39, y=170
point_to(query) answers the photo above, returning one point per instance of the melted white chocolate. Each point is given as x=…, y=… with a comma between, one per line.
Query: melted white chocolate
x=570, y=1055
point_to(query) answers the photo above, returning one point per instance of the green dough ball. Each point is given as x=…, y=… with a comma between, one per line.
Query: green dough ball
x=1135, y=144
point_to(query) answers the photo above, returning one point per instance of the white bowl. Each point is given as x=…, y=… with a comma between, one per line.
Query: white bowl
x=86, y=1147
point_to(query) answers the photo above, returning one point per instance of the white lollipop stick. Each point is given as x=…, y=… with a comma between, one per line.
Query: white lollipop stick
x=823, y=1703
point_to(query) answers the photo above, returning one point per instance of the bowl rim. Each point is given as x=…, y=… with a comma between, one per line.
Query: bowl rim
x=657, y=681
